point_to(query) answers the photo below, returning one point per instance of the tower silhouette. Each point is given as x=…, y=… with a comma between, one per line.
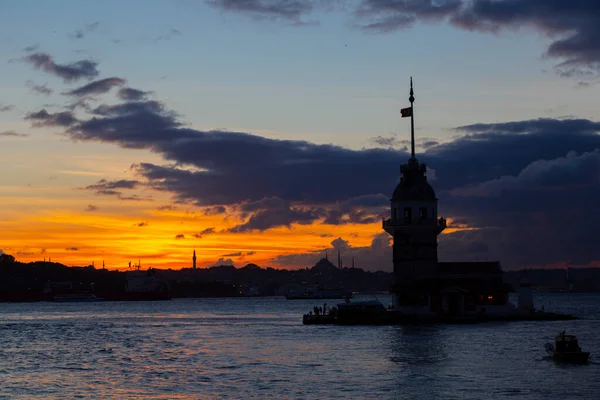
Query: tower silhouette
x=414, y=224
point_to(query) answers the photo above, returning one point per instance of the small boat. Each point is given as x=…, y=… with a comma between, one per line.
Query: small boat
x=370, y=312
x=566, y=349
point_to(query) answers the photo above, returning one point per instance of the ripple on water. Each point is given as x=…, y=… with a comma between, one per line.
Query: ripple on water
x=258, y=348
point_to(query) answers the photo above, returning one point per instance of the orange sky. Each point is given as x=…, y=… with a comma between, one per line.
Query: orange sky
x=52, y=222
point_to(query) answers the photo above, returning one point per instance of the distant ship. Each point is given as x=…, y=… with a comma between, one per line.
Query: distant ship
x=312, y=293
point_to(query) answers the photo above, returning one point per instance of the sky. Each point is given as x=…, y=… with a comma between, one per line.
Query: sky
x=268, y=131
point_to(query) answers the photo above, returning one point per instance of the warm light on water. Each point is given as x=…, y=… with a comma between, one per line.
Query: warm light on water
x=258, y=348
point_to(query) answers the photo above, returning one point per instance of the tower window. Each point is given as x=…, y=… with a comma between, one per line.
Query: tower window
x=423, y=213
x=407, y=215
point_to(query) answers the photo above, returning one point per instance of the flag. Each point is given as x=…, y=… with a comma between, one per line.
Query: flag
x=406, y=112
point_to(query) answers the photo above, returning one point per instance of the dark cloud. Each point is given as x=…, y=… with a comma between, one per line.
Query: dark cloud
x=291, y=10
x=236, y=254
x=6, y=108
x=39, y=89
x=385, y=141
x=180, y=236
x=91, y=208
x=274, y=183
x=391, y=15
x=573, y=26
x=571, y=171
x=104, y=184
x=216, y=210
x=167, y=207
x=13, y=134
x=398, y=143
x=113, y=188
x=96, y=87
x=130, y=94
x=141, y=224
x=134, y=197
x=43, y=118
x=275, y=212
x=80, y=33
x=207, y=231
x=168, y=36
x=31, y=48
x=67, y=72
x=72, y=249
x=82, y=102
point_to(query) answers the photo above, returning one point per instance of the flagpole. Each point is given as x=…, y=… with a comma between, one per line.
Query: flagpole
x=412, y=121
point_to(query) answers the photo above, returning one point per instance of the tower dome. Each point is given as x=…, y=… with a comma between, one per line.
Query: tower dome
x=413, y=184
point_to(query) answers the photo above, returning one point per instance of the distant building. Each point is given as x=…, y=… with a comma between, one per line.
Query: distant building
x=194, y=260
x=422, y=284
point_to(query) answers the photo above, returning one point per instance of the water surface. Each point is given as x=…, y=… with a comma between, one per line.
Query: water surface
x=258, y=348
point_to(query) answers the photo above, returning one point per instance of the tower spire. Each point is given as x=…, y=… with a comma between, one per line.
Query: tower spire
x=412, y=121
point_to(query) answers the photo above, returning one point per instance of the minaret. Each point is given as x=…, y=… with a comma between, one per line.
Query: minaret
x=352, y=262
x=194, y=260
x=339, y=260
x=413, y=224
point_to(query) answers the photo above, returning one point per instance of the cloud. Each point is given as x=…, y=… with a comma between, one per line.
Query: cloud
x=180, y=236
x=91, y=208
x=13, y=134
x=67, y=72
x=96, y=87
x=270, y=183
x=130, y=94
x=573, y=27
x=236, y=254
x=571, y=171
x=274, y=212
x=375, y=257
x=6, y=108
x=31, y=48
x=72, y=249
x=216, y=210
x=80, y=33
x=134, y=197
x=104, y=185
x=289, y=10
x=168, y=36
x=207, y=231
x=223, y=261
x=112, y=188
x=39, y=89
x=43, y=118
x=141, y=224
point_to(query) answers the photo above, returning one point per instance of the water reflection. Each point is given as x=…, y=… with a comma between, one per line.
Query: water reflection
x=414, y=344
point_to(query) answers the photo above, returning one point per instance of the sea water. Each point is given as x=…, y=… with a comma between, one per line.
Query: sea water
x=257, y=348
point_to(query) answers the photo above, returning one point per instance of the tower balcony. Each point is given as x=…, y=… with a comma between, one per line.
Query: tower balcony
x=392, y=225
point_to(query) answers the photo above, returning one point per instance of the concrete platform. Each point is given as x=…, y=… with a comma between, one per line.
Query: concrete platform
x=391, y=317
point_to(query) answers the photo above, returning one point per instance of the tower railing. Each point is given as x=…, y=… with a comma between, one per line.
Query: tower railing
x=440, y=222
